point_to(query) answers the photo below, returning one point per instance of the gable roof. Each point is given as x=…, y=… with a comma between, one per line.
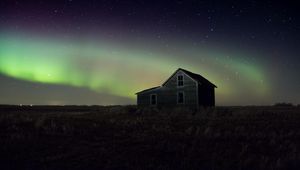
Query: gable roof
x=197, y=77
x=148, y=89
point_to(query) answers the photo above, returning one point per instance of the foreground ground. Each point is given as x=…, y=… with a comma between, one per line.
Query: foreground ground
x=123, y=137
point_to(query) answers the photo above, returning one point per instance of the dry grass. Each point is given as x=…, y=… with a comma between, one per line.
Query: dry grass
x=124, y=137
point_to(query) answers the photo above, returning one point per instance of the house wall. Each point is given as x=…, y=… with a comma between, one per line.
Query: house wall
x=143, y=99
x=189, y=88
x=167, y=94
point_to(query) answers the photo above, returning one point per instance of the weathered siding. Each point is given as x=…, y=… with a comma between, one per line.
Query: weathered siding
x=189, y=88
x=195, y=93
x=143, y=99
x=167, y=94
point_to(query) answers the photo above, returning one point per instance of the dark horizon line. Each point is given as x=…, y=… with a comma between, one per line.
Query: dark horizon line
x=95, y=105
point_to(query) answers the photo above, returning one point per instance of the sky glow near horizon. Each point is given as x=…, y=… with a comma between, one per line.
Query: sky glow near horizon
x=111, y=68
x=103, y=52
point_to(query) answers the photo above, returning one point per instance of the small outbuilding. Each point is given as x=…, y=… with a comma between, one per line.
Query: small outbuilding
x=182, y=88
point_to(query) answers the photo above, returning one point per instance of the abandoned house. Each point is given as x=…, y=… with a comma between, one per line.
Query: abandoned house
x=182, y=88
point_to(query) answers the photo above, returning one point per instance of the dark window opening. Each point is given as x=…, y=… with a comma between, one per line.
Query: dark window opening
x=180, y=80
x=180, y=97
x=153, y=99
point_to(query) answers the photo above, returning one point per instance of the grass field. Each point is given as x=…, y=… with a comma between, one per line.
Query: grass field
x=124, y=137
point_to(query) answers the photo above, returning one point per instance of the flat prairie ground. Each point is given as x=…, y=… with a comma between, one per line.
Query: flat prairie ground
x=124, y=137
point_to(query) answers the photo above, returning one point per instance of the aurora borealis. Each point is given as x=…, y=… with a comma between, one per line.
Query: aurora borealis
x=53, y=52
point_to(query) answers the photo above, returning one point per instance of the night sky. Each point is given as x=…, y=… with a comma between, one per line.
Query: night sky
x=103, y=52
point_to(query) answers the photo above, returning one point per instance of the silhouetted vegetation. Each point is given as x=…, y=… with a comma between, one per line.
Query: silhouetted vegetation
x=124, y=137
x=283, y=104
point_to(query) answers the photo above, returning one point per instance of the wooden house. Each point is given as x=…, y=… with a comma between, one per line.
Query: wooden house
x=182, y=88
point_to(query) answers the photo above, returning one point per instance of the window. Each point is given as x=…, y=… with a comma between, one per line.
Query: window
x=180, y=80
x=180, y=97
x=153, y=99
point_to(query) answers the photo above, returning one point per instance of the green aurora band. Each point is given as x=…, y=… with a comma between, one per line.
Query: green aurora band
x=122, y=71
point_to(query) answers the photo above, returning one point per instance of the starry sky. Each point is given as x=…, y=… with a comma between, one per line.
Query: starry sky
x=101, y=52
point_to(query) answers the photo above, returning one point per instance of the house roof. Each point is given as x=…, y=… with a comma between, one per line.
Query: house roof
x=196, y=77
x=148, y=89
